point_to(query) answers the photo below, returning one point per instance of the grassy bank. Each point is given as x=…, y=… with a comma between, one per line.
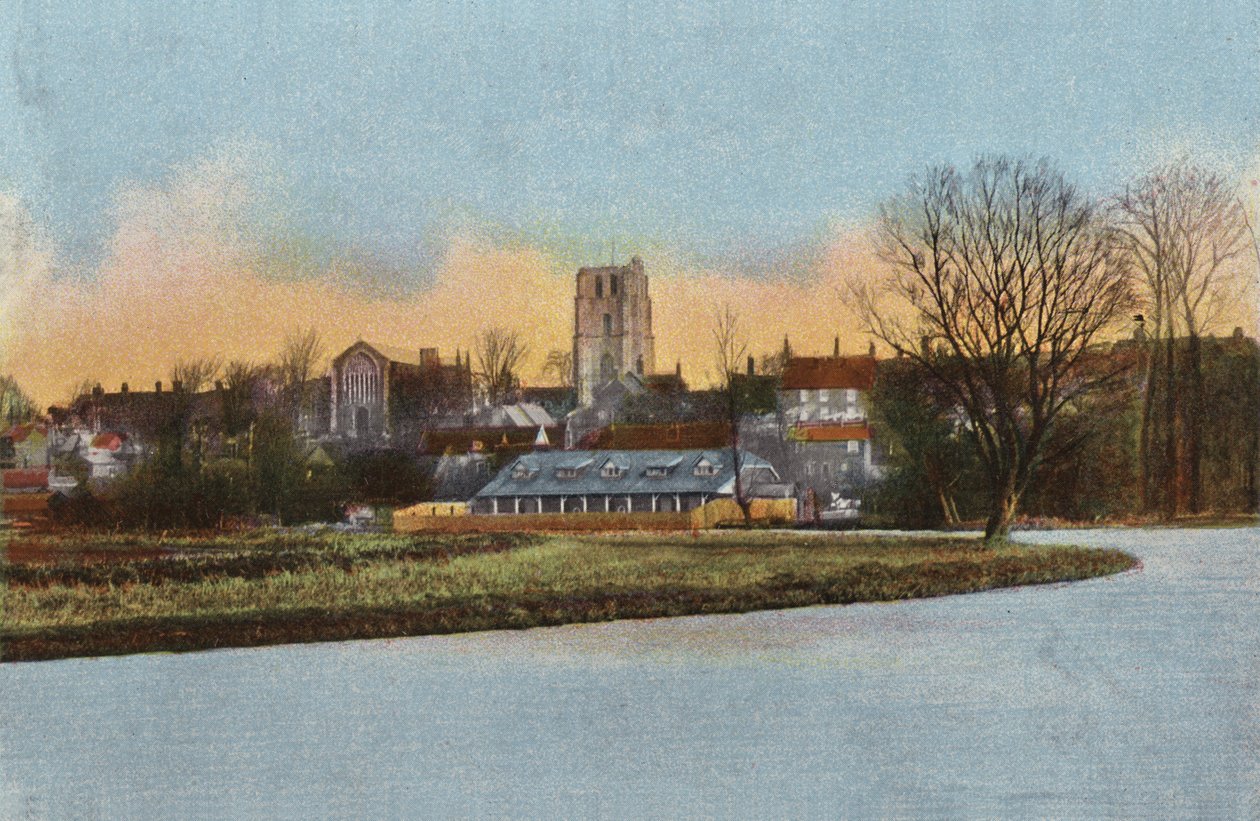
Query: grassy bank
x=108, y=595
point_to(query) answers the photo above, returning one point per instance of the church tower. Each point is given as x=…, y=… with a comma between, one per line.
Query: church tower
x=612, y=326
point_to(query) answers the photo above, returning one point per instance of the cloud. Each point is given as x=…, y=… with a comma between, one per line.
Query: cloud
x=200, y=263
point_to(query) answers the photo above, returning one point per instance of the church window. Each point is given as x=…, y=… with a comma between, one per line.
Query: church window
x=612, y=284
x=638, y=366
x=607, y=367
x=599, y=287
x=607, y=324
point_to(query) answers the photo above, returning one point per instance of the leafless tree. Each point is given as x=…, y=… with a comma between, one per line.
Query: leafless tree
x=15, y=405
x=559, y=366
x=499, y=354
x=997, y=281
x=1184, y=230
x=192, y=375
x=729, y=351
x=300, y=361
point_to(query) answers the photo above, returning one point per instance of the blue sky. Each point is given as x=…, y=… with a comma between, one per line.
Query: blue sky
x=727, y=131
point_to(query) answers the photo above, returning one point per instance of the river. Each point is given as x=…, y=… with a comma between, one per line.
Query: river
x=1133, y=696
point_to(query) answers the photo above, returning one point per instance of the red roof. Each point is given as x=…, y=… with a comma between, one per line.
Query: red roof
x=813, y=372
x=25, y=479
x=830, y=432
x=678, y=436
x=108, y=441
x=18, y=433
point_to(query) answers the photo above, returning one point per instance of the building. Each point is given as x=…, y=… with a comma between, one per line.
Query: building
x=824, y=402
x=25, y=446
x=381, y=393
x=612, y=327
x=623, y=481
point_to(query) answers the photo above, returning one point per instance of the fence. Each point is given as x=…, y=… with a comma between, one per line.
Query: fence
x=447, y=517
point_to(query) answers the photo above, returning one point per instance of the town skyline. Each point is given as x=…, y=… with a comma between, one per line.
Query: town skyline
x=377, y=172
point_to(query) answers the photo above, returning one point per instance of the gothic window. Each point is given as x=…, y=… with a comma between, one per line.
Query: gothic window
x=607, y=324
x=607, y=367
x=599, y=287
x=360, y=381
x=612, y=283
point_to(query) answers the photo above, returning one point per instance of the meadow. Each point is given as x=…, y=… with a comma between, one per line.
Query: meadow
x=86, y=595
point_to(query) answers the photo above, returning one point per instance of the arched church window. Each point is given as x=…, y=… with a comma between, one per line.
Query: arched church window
x=607, y=324
x=360, y=381
x=612, y=283
x=599, y=287
x=607, y=367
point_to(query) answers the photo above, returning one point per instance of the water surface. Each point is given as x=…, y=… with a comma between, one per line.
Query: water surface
x=1133, y=696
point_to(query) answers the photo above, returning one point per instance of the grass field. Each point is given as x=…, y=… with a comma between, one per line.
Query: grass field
x=99, y=595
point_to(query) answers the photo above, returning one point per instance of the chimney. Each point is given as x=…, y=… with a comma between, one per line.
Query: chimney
x=678, y=369
x=123, y=389
x=218, y=385
x=177, y=385
x=787, y=350
x=97, y=390
x=157, y=386
x=835, y=351
x=871, y=350
x=751, y=365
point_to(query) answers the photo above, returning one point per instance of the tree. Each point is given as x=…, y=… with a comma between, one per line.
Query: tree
x=300, y=358
x=1183, y=228
x=192, y=375
x=559, y=366
x=499, y=354
x=1002, y=276
x=729, y=350
x=15, y=405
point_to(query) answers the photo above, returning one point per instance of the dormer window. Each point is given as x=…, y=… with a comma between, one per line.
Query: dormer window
x=706, y=468
x=656, y=471
x=567, y=473
x=612, y=470
x=522, y=470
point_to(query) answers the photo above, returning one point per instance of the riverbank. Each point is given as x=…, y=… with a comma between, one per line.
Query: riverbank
x=106, y=595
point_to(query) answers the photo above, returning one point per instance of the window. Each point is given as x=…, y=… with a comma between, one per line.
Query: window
x=638, y=366
x=612, y=471
x=599, y=287
x=607, y=324
x=706, y=468
x=855, y=446
x=851, y=396
x=656, y=471
x=566, y=473
x=612, y=283
x=823, y=395
x=804, y=395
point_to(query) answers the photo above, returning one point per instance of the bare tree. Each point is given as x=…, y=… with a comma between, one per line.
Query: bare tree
x=1183, y=228
x=729, y=350
x=559, y=366
x=192, y=375
x=499, y=353
x=300, y=359
x=1002, y=277
x=15, y=405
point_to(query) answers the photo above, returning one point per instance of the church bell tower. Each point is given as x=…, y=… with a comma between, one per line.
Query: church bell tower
x=612, y=326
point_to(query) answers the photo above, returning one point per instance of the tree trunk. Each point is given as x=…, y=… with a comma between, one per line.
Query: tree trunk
x=1144, y=443
x=1194, y=424
x=1171, y=468
x=1003, y=504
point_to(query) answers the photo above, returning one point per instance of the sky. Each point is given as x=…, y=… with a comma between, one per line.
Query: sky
x=181, y=179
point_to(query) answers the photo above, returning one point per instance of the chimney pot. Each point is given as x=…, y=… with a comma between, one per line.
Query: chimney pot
x=835, y=351
x=157, y=386
x=751, y=365
x=123, y=389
